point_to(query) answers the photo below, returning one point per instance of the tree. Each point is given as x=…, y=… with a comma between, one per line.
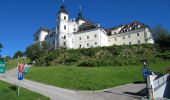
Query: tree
x=161, y=37
x=18, y=54
x=1, y=46
x=34, y=52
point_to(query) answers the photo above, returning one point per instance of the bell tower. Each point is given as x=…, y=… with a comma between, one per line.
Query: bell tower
x=80, y=20
x=62, y=26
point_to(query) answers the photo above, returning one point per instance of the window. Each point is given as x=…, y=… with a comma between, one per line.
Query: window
x=115, y=33
x=130, y=43
x=95, y=43
x=53, y=42
x=74, y=29
x=64, y=37
x=87, y=44
x=138, y=41
x=115, y=39
x=64, y=17
x=64, y=27
x=129, y=35
x=80, y=46
x=137, y=34
x=95, y=35
x=123, y=43
x=123, y=37
x=79, y=38
x=64, y=43
x=87, y=37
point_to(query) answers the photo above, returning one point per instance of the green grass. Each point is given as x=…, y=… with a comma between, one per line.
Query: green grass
x=13, y=63
x=8, y=92
x=90, y=78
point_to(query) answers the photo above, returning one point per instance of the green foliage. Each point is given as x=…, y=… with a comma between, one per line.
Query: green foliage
x=34, y=52
x=1, y=46
x=18, y=54
x=162, y=37
x=102, y=56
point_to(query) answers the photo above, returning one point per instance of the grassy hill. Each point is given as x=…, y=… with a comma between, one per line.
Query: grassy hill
x=104, y=56
x=14, y=63
x=91, y=78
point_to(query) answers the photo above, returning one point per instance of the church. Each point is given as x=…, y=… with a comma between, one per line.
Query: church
x=79, y=33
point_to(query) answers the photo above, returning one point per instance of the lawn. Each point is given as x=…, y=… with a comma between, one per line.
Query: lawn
x=8, y=92
x=13, y=63
x=90, y=78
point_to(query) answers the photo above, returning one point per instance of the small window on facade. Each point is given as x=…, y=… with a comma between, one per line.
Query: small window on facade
x=129, y=35
x=87, y=37
x=95, y=35
x=130, y=43
x=79, y=38
x=64, y=17
x=64, y=27
x=115, y=33
x=123, y=37
x=64, y=43
x=87, y=44
x=64, y=37
x=95, y=43
x=115, y=39
x=80, y=46
x=74, y=29
x=53, y=42
x=137, y=34
x=138, y=41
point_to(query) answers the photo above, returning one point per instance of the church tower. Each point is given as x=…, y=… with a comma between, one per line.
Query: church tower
x=80, y=20
x=62, y=26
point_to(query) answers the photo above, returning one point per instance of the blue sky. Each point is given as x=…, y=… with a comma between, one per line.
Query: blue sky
x=20, y=19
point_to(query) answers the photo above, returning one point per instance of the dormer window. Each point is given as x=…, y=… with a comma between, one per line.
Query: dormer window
x=130, y=28
x=139, y=26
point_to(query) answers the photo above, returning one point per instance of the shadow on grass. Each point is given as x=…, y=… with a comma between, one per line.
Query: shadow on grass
x=139, y=82
x=13, y=87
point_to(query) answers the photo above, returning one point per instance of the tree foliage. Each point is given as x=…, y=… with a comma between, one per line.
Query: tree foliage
x=34, y=51
x=1, y=46
x=162, y=37
x=18, y=54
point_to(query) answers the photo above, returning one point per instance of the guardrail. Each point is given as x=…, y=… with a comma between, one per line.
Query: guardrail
x=158, y=86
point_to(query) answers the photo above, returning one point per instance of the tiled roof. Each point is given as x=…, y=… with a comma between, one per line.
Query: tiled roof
x=88, y=25
x=127, y=27
x=62, y=9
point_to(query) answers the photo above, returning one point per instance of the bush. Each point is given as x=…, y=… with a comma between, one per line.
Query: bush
x=104, y=56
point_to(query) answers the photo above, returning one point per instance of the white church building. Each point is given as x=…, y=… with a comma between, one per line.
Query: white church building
x=79, y=33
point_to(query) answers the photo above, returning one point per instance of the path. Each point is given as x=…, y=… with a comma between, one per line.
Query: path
x=126, y=92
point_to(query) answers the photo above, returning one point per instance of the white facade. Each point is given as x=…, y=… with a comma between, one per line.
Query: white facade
x=79, y=33
x=91, y=38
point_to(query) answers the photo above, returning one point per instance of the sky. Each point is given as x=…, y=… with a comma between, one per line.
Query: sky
x=20, y=19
